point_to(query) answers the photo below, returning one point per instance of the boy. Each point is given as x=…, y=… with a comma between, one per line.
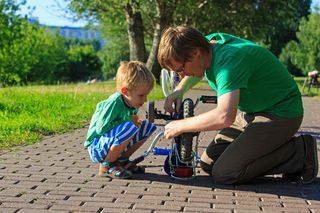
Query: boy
x=115, y=131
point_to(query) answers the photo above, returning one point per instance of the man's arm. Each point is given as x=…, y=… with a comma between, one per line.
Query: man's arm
x=186, y=83
x=222, y=116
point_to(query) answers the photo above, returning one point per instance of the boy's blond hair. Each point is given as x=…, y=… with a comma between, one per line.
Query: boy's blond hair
x=133, y=74
x=178, y=43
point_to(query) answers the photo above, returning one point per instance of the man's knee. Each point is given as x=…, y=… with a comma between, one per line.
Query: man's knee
x=211, y=155
x=225, y=174
x=206, y=163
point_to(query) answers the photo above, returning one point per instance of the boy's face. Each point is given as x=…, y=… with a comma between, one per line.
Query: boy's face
x=137, y=97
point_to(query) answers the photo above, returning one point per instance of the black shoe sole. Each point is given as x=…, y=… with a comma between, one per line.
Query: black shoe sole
x=315, y=158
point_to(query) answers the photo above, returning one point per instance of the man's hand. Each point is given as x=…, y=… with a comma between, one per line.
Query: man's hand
x=175, y=98
x=173, y=129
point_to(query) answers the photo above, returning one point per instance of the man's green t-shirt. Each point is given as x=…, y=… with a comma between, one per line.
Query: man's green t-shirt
x=109, y=114
x=265, y=84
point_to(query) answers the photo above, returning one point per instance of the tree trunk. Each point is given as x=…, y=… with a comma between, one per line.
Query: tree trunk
x=163, y=19
x=135, y=32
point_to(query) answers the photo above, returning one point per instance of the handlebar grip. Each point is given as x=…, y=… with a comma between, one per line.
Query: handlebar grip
x=209, y=99
x=161, y=151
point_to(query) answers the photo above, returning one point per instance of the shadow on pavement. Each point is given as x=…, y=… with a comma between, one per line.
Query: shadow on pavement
x=263, y=185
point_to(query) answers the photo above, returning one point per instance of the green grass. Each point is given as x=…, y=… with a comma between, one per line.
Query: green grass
x=29, y=113
x=304, y=91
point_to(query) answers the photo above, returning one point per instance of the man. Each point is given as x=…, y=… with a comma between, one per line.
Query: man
x=260, y=139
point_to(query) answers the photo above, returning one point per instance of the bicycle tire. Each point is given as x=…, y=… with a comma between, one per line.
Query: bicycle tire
x=186, y=138
x=150, y=113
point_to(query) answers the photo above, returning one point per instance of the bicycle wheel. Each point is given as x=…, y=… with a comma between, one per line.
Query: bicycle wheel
x=186, y=138
x=150, y=113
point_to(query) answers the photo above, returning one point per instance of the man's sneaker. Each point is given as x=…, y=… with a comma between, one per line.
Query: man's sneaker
x=310, y=165
x=310, y=168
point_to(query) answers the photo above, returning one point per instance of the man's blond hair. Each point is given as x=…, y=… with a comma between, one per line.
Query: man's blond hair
x=133, y=74
x=178, y=43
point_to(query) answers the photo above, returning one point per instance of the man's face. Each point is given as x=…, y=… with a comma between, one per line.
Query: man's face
x=194, y=67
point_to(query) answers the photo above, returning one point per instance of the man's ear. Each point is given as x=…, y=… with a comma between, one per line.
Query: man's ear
x=196, y=53
x=124, y=90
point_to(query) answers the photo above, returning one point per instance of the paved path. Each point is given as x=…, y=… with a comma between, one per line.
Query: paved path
x=56, y=175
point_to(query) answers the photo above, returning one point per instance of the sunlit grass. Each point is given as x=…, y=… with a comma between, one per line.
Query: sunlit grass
x=29, y=113
x=304, y=90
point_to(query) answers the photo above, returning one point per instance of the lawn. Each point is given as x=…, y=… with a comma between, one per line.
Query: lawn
x=29, y=113
x=304, y=91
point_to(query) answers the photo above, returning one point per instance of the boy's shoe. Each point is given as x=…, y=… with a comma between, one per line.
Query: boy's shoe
x=310, y=165
x=113, y=171
x=131, y=166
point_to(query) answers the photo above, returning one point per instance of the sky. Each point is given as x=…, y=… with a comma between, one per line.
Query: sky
x=50, y=12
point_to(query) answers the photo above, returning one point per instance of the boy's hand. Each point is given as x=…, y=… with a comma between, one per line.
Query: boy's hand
x=136, y=120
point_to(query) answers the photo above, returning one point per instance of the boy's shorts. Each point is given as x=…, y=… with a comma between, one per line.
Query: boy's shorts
x=99, y=148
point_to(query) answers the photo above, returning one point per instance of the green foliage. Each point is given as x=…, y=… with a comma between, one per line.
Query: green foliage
x=278, y=20
x=27, y=52
x=111, y=55
x=28, y=113
x=113, y=29
x=113, y=25
x=305, y=53
x=10, y=25
x=83, y=63
x=47, y=54
x=36, y=55
x=30, y=53
x=80, y=42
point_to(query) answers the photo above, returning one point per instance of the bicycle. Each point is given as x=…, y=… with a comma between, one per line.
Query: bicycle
x=182, y=158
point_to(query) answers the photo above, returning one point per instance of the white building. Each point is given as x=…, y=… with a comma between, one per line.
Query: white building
x=76, y=32
x=73, y=32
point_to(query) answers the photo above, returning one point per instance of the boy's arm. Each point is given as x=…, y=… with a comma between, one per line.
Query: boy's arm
x=108, y=113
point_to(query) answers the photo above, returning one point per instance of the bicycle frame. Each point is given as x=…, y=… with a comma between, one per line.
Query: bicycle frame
x=174, y=165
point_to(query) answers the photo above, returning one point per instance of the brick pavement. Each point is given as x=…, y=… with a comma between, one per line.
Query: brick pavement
x=56, y=175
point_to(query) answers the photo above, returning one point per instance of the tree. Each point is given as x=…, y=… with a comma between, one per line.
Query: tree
x=145, y=20
x=83, y=63
x=10, y=25
x=27, y=52
x=272, y=23
x=132, y=9
x=305, y=52
x=33, y=53
x=282, y=25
